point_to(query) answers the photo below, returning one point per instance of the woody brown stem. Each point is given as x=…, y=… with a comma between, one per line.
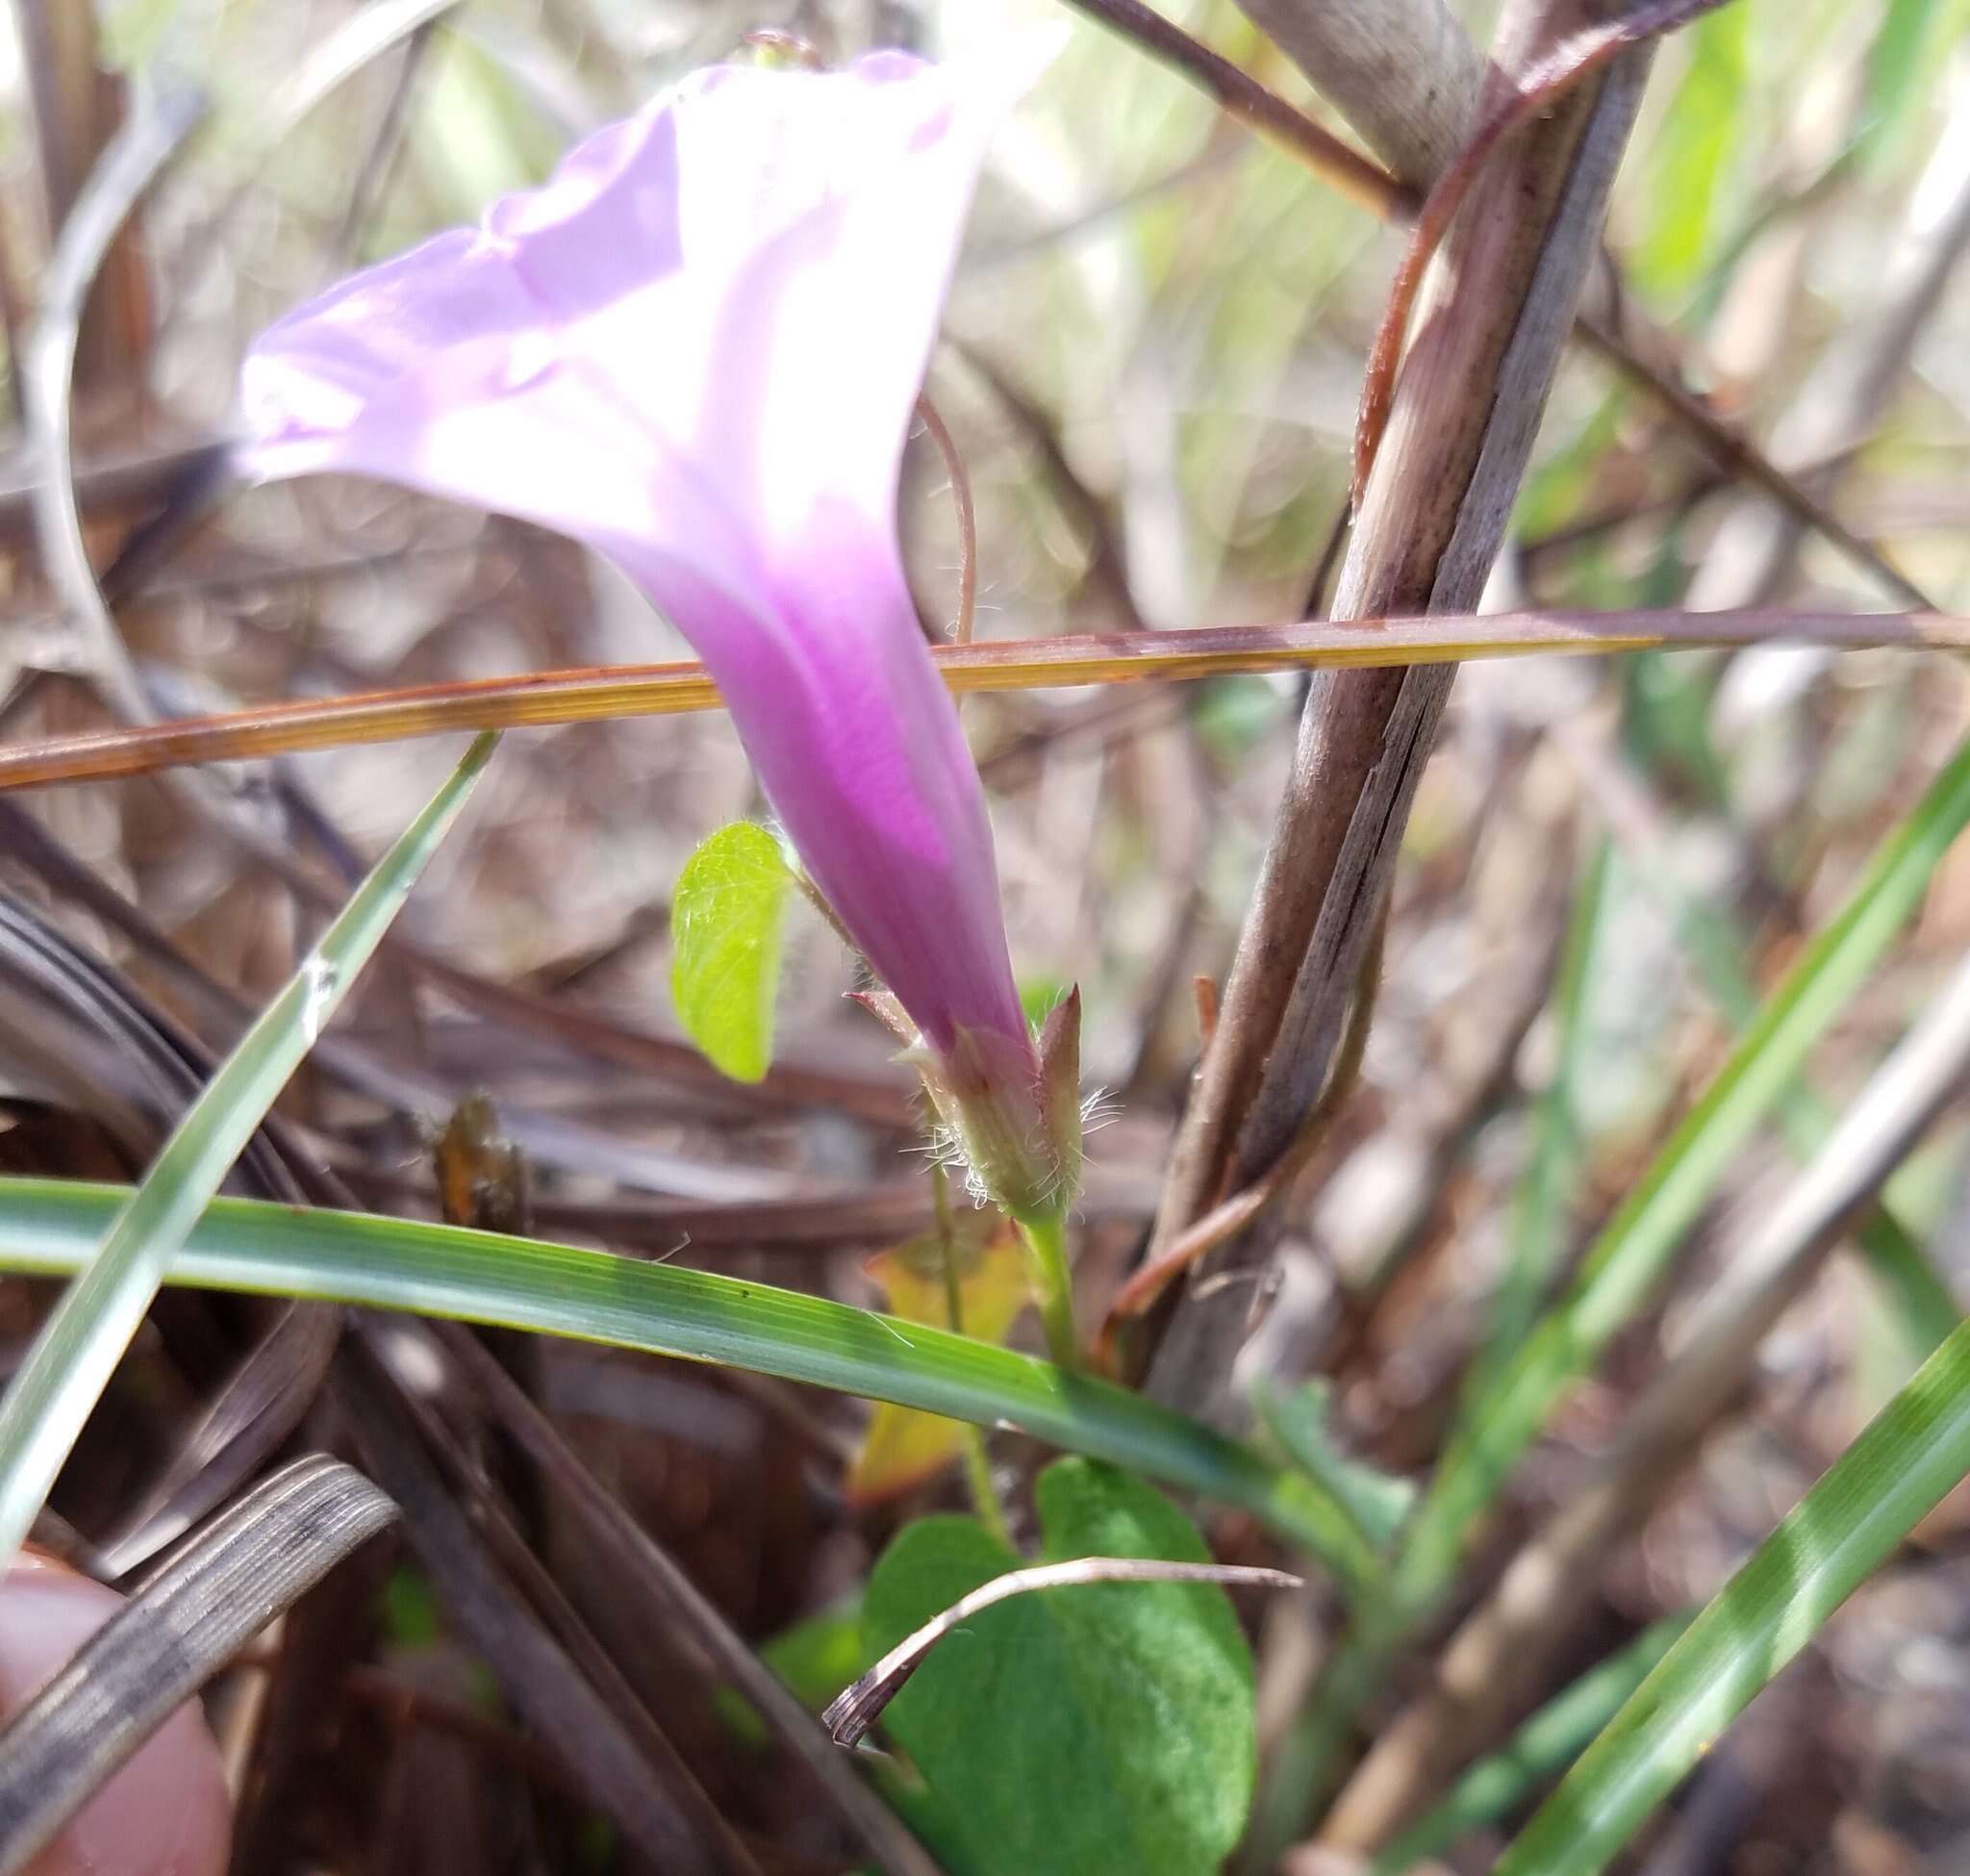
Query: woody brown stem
x=1224, y=1220
x=1493, y=317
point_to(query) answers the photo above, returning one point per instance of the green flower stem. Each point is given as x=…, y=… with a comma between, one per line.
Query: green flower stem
x=979, y=1476
x=977, y=1454
x=1044, y=1235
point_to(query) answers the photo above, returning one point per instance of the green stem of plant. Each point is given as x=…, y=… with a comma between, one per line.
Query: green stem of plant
x=984, y=1494
x=977, y=1454
x=948, y=1250
x=1044, y=1235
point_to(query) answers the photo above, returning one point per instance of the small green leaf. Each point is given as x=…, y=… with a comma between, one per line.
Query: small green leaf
x=1108, y=1727
x=727, y=915
x=1297, y=1417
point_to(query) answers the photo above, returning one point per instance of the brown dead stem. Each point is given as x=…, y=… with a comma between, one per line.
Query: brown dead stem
x=1497, y=308
x=1251, y=104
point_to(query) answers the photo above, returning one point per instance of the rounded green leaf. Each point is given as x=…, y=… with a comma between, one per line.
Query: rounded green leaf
x=726, y=919
x=1106, y=1727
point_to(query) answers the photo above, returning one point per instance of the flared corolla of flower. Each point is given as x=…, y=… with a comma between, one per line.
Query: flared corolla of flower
x=697, y=349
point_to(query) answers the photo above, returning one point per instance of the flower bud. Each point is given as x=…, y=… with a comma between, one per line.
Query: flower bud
x=1013, y=1111
x=1060, y=1092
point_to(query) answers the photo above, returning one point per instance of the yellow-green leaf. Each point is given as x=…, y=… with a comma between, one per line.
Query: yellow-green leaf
x=727, y=920
x=904, y=1446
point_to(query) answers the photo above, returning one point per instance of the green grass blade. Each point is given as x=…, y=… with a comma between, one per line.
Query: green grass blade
x=1904, y=48
x=1635, y=1248
x=1910, y=1456
x=47, y=1226
x=1536, y=1751
x=1924, y=1309
x=1670, y=711
x=1691, y=164
x=72, y=1358
x=1547, y=1186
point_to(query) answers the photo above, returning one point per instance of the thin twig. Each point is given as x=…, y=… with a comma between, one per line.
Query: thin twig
x=1107, y=563
x=853, y=1713
x=372, y=179
x=1243, y=98
x=1738, y=457
x=1532, y=94
x=1842, y=400
x=966, y=517
x=155, y=131
x=1231, y=1216
x=1408, y=80
x=605, y=693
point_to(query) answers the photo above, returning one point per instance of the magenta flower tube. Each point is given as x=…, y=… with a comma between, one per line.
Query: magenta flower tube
x=697, y=348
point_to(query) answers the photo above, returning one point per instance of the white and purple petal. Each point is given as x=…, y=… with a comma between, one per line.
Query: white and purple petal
x=697, y=348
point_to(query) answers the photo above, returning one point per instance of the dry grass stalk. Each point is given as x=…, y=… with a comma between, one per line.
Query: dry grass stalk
x=1495, y=313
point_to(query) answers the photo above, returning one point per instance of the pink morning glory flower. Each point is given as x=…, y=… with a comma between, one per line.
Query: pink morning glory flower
x=697, y=348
